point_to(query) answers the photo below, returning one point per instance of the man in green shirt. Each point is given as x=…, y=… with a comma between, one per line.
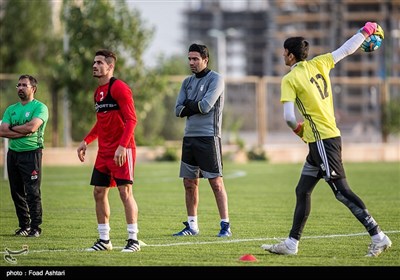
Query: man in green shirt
x=24, y=124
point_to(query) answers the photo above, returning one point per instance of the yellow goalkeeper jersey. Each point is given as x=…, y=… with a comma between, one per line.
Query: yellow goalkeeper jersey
x=308, y=85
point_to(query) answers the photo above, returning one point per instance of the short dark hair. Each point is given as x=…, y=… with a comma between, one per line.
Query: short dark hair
x=298, y=46
x=32, y=80
x=202, y=49
x=110, y=56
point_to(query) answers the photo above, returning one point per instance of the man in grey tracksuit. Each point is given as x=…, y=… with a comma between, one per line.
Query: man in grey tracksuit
x=201, y=101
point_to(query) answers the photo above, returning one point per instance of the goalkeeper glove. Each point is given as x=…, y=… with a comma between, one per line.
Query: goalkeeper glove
x=370, y=28
x=299, y=130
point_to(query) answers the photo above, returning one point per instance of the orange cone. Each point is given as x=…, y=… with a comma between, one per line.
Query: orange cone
x=248, y=258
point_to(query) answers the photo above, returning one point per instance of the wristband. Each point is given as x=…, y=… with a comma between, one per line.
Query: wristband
x=369, y=28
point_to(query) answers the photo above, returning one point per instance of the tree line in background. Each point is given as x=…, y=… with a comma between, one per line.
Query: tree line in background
x=62, y=62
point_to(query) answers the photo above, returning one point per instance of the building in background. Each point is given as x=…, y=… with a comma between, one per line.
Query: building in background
x=255, y=31
x=246, y=39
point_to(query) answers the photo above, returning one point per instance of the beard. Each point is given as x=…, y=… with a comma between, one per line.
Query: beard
x=22, y=95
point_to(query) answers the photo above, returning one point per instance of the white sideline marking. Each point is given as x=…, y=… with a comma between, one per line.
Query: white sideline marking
x=261, y=239
x=225, y=240
x=236, y=174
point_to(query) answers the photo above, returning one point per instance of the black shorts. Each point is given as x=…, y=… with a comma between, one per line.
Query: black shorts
x=201, y=157
x=324, y=159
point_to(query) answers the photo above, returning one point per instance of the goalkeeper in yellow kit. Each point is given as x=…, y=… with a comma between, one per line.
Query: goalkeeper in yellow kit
x=308, y=86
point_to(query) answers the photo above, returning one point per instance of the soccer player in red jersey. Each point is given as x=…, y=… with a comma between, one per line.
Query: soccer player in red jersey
x=115, y=161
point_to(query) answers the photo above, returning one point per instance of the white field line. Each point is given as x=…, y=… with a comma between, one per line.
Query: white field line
x=223, y=240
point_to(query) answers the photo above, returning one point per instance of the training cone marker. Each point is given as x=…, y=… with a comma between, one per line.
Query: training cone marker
x=248, y=258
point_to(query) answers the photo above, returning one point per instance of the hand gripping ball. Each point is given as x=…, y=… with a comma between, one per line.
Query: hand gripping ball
x=373, y=42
